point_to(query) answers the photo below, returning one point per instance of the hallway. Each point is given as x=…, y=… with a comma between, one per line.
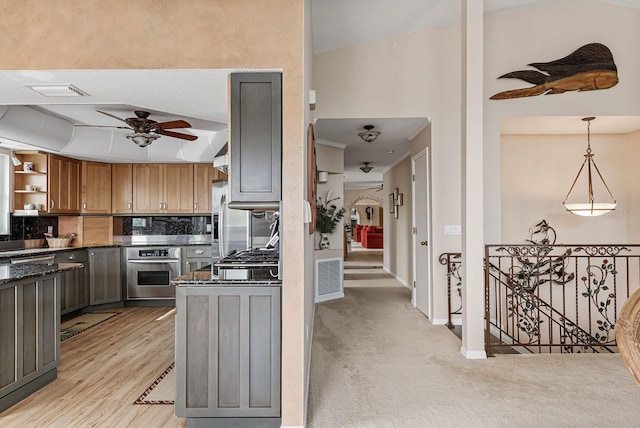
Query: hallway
x=378, y=362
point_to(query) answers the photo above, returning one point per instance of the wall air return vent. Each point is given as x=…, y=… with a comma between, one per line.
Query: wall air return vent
x=329, y=279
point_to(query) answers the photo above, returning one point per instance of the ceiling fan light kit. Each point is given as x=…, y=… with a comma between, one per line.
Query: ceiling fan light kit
x=589, y=208
x=369, y=135
x=142, y=140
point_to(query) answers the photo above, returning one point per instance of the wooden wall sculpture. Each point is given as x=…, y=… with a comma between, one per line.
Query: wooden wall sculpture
x=589, y=68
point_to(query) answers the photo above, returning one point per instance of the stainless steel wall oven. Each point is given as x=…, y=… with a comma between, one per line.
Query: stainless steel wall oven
x=150, y=270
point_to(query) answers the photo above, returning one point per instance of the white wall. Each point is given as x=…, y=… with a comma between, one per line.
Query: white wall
x=419, y=75
x=544, y=33
x=537, y=172
x=398, y=246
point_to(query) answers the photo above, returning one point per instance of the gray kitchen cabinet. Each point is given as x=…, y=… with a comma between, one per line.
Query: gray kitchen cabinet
x=105, y=279
x=74, y=284
x=255, y=139
x=195, y=257
x=29, y=336
x=228, y=352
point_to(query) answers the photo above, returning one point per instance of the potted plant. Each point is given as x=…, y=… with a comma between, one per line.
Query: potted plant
x=328, y=216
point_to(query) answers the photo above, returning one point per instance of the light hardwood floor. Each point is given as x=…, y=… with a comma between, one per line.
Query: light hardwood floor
x=102, y=371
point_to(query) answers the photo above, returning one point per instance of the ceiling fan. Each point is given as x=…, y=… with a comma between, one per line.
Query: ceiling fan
x=145, y=130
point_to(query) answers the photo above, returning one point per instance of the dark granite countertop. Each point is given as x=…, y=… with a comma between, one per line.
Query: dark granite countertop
x=10, y=273
x=46, y=250
x=205, y=278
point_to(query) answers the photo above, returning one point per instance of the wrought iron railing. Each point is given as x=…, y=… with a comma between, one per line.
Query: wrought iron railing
x=550, y=298
x=453, y=262
x=557, y=298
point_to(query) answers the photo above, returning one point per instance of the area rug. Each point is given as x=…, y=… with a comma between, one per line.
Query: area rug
x=83, y=322
x=162, y=390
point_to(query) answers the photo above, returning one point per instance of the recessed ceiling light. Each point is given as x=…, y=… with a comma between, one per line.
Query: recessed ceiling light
x=58, y=90
x=391, y=152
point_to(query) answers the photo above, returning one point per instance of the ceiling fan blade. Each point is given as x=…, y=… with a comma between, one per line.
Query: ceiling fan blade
x=172, y=124
x=179, y=135
x=111, y=115
x=103, y=126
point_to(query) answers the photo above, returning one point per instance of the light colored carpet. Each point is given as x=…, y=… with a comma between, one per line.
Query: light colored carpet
x=83, y=322
x=378, y=362
x=162, y=390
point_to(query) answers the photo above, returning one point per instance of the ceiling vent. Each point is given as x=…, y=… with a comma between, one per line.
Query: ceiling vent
x=58, y=90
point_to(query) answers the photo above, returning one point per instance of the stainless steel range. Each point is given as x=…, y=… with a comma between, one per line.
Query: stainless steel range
x=253, y=264
x=150, y=271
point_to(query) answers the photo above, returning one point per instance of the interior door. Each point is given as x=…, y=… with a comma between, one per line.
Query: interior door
x=422, y=254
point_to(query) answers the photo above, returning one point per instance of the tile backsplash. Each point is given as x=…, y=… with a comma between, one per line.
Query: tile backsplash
x=32, y=227
x=23, y=228
x=156, y=225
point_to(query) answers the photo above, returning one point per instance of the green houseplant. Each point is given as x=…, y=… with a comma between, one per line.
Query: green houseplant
x=328, y=217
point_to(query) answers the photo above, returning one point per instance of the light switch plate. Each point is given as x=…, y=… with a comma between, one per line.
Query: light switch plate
x=450, y=229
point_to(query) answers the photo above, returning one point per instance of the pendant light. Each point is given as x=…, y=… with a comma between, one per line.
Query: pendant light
x=366, y=168
x=590, y=207
x=369, y=134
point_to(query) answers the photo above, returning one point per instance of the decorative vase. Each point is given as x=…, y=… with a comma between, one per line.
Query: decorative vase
x=324, y=241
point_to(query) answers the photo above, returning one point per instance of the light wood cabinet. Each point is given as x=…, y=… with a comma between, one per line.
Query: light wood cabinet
x=122, y=188
x=95, y=190
x=178, y=188
x=162, y=188
x=203, y=175
x=148, y=186
x=63, y=185
x=30, y=186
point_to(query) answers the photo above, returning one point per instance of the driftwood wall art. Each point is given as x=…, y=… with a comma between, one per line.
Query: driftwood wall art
x=589, y=68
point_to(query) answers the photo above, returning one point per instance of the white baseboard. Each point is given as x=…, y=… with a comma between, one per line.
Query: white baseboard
x=444, y=321
x=473, y=355
x=401, y=281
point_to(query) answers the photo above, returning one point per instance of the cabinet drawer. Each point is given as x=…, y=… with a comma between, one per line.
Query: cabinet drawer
x=198, y=251
x=78, y=256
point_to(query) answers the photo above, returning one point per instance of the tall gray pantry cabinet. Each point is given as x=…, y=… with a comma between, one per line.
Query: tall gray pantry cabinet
x=228, y=351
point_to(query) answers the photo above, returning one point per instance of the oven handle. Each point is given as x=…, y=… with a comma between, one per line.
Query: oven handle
x=163, y=261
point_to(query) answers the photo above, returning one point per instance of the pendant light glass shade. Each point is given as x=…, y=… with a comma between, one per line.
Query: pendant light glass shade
x=589, y=207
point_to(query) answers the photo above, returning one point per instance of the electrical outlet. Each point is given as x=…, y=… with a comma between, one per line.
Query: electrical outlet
x=50, y=229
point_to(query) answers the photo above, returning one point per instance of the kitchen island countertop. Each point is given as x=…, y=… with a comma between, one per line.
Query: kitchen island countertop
x=10, y=273
x=205, y=277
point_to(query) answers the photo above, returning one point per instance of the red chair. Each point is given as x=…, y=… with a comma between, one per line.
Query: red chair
x=371, y=237
x=357, y=232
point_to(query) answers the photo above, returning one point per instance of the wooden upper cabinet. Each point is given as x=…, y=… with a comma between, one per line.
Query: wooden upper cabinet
x=178, y=188
x=203, y=175
x=148, y=188
x=122, y=188
x=64, y=185
x=95, y=191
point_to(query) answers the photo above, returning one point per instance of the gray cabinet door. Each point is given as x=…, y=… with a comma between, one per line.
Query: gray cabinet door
x=29, y=332
x=73, y=283
x=105, y=279
x=228, y=352
x=195, y=257
x=255, y=139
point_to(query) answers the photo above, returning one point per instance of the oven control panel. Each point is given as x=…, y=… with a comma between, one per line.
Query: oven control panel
x=154, y=252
